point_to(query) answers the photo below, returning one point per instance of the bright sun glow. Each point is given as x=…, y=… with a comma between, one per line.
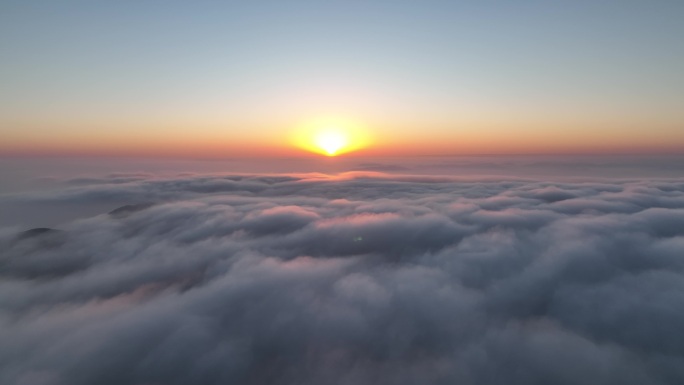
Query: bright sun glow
x=330, y=137
x=331, y=141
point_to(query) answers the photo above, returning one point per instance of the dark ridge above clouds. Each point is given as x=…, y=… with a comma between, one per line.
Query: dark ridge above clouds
x=126, y=210
x=36, y=232
x=381, y=167
x=359, y=278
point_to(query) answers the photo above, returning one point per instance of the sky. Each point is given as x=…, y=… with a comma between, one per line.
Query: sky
x=223, y=79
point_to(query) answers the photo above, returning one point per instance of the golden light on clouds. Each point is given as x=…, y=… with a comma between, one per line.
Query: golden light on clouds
x=331, y=137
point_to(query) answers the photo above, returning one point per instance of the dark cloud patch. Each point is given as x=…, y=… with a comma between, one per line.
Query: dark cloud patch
x=359, y=278
x=552, y=194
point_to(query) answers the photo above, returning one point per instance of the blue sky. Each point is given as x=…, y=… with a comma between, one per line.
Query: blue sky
x=71, y=67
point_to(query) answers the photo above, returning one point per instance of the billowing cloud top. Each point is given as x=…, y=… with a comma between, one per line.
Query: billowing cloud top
x=359, y=279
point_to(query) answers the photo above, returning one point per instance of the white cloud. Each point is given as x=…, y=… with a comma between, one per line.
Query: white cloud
x=367, y=278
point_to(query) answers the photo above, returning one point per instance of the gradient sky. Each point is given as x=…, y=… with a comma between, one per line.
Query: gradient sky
x=229, y=78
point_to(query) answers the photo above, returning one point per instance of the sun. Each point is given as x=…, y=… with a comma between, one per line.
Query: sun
x=331, y=141
x=330, y=137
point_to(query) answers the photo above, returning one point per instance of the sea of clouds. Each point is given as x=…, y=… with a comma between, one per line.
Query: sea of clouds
x=358, y=278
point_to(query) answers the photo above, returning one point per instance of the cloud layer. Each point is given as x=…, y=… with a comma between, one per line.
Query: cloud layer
x=364, y=278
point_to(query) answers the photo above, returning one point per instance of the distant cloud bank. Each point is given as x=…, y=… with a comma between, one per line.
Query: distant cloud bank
x=363, y=278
